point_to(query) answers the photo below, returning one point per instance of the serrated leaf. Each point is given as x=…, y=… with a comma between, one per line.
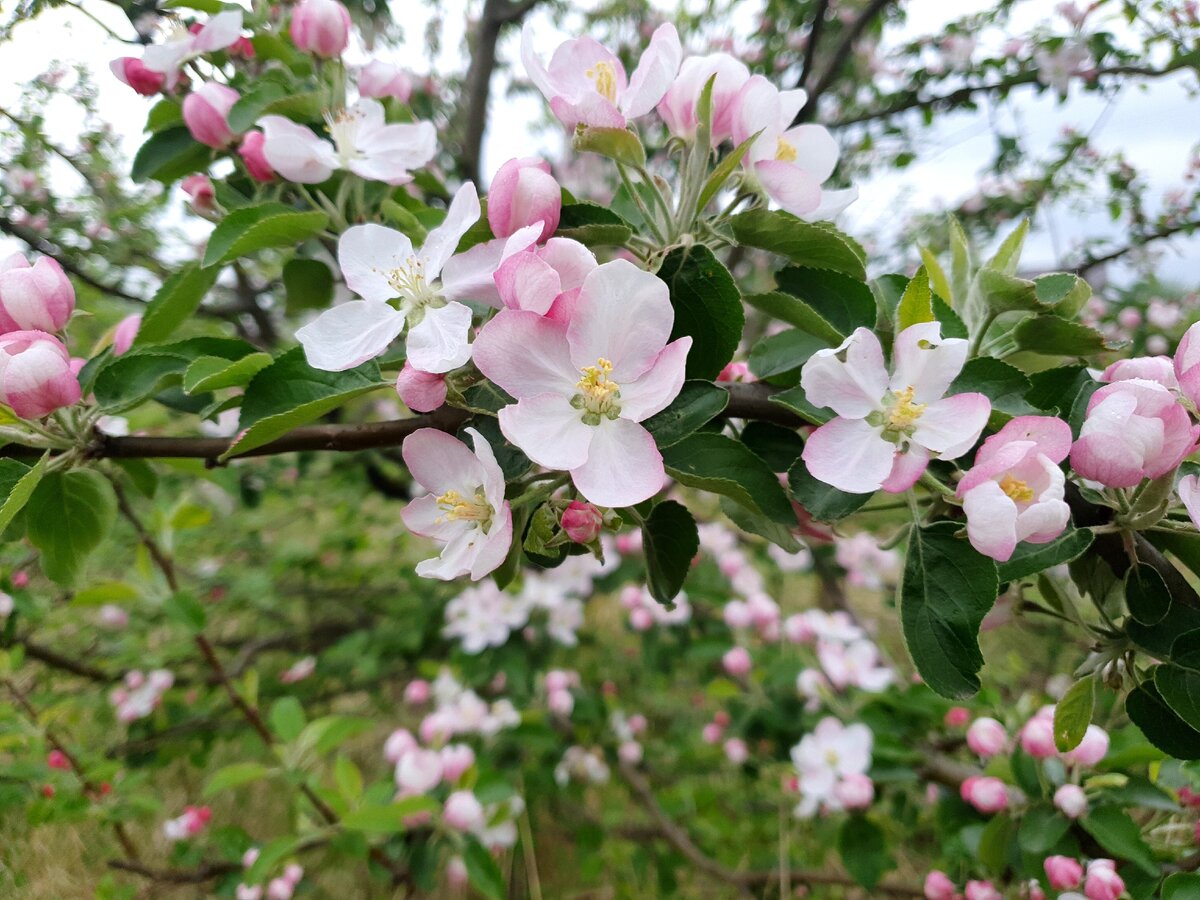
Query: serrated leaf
x=797, y=401
x=1001, y=383
x=812, y=244
x=937, y=275
x=698, y=402
x=794, y=311
x=1073, y=714
x=916, y=303
x=169, y=154
x=846, y=303
x=18, y=482
x=722, y=465
x=1029, y=559
x=670, y=541
x=127, y=380
x=253, y=228
x=1180, y=690
x=67, y=517
x=822, y=501
x=1052, y=336
x=210, y=373
x=1008, y=254
x=707, y=305
x=173, y=303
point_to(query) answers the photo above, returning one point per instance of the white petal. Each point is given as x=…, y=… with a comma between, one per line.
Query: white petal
x=549, y=430
x=219, y=32
x=443, y=240
x=925, y=362
x=659, y=385
x=295, y=152
x=349, y=334
x=850, y=455
x=440, y=341
x=623, y=465
x=654, y=73
x=624, y=315
x=368, y=254
x=850, y=379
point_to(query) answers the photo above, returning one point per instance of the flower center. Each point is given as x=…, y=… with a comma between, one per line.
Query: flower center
x=459, y=509
x=1016, y=489
x=598, y=395
x=604, y=76
x=343, y=129
x=831, y=758
x=903, y=412
x=410, y=284
x=785, y=151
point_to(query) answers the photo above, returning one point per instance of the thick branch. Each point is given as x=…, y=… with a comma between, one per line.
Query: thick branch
x=814, y=37
x=202, y=873
x=34, y=240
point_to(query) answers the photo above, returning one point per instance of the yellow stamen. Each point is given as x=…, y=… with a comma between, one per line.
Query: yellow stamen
x=831, y=757
x=597, y=394
x=605, y=78
x=458, y=508
x=785, y=151
x=905, y=413
x=1017, y=489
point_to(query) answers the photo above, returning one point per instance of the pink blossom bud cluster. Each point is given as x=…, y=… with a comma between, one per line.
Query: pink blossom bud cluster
x=189, y=825
x=987, y=794
x=460, y=711
x=141, y=693
x=645, y=612
x=627, y=729
x=558, y=684
x=281, y=887
x=1037, y=739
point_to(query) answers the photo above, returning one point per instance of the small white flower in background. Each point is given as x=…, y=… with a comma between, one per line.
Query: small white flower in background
x=826, y=756
x=582, y=765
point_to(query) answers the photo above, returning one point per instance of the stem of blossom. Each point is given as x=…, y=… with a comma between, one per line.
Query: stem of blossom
x=913, y=506
x=945, y=492
x=656, y=194
x=650, y=219
x=977, y=340
x=532, y=879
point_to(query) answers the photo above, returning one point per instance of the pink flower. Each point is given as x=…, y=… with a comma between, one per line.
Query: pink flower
x=855, y=663
x=586, y=84
x=321, y=27
x=938, y=886
x=280, y=889
x=419, y=771
x=545, y=280
x=399, y=742
x=206, y=113
x=35, y=374
x=1063, y=873
x=456, y=759
x=561, y=703
x=582, y=522
x=380, y=264
x=589, y=425
x=982, y=890
x=1091, y=749
x=711, y=733
x=678, y=106
x=1037, y=737
x=300, y=670
x=199, y=189
x=124, y=334
x=1071, y=801
x=221, y=31
x=1103, y=882
x=737, y=662
x=56, y=759
x=887, y=430
x=1134, y=429
x=463, y=812
x=382, y=79
x=362, y=142
x=855, y=791
x=1014, y=492
x=789, y=164
x=465, y=508
x=736, y=751
x=986, y=737
x=34, y=298
x=987, y=794
x=420, y=391
x=416, y=692
x=1148, y=368
x=957, y=717
x=251, y=152
x=524, y=193
x=132, y=71
x=1187, y=364
x=630, y=752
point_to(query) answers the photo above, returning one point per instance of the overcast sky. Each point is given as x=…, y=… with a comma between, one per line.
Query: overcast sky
x=1157, y=128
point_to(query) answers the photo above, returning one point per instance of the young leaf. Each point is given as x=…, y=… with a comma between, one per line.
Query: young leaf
x=1052, y=336
x=174, y=303
x=67, y=516
x=916, y=303
x=253, y=228
x=670, y=542
x=707, y=306
x=1073, y=714
x=287, y=718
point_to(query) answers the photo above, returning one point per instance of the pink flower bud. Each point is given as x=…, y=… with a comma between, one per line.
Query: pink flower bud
x=982, y=890
x=382, y=79
x=416, y=692
x=736, y=371
x=20, y=579
x=133, y=72
x=1103, y=882
x=582, y=522
x=1037, y=737
x=855, y=791
x=561, y=703
x=1091, y=749
x=321, y=27
x=987, y=794
x=637, y=723
x=558, y=680
x=522, y=193
x=124, y=333
x=640, y=619
x=1071, y=801
x=463, y=812
x=250, y=857
x=206, y=113
x=34, y=298
x=420, y=391
x=736, y=751
x=56, y=759
x=737, y=614
x=280, y=889
x=35, y=374
x=712, y=733
x=630, y=752
x=957, y=717
x=798, y=629
x=456, y=759
x=938, y=886
x=399, y=742
x=1063, y=873
x=737, y=662
x=1034, y=891
x=456, y=872
x=419, y=771
x=199, y=189
x=986, y=737
x=293, y=872
x=251, y=152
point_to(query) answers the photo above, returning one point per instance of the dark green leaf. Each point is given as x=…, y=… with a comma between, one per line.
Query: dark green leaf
x=1185, y=650
x=67, y=516
x=1001, y=383
x=1052, y=336
x=670, y=541
x=174, y=303
x=994, y=843
x=256, y=102
x=127, y=380
x=795, y=311
x=784, y=352
x=846, y=303
x=722, y=465
x=1073, y=714
x=1180, y=690
x=698, y=402
x=1120, y=836
x=812, y=244
x=1029, y=559
x=1041, y=828
x=308, y=284
x=1181, y=886
x=1160, y=724
x=778, y=446
x=753, y=523
x=593, y=225
x=168, y=155
x=253, y=228
x=863, y=849
x=822, y=501
x=707, y=306
x=1146, y=594
x=1064, y=293
x=797, y=401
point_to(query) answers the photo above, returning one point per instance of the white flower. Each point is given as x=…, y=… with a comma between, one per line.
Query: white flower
x=824, y=757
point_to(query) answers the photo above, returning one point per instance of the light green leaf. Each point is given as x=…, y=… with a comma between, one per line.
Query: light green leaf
x=916, y=303
x=174, y=303
x=1073, y=714
x=17, y=482
x=210, y=373
x=234, y=775
x=817, y=245
x=253, y=228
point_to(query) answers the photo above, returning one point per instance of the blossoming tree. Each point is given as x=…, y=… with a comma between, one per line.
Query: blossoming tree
x=668, y=447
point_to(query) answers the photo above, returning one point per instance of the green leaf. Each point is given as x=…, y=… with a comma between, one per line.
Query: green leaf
x=270, y=857
x=797, y=401
x=1160, y=724
x=389, y=819
x=1001, y=383
x=812, y=244
x=1063, y=293
x=257, y=102
x=127, y=380
x=722, y=171
x=937, y=275
x=795, y=311
x=822, y=501
x=330, y=732
x=308, y=284
x=1008, y=256
x=1073, y=714
x=916, y=303
x=618, y=144
x=234, y=775
x=845, y=302
x=786, y=351
x=163, y=114
x=707, y=306
x=210, y=373
x=289, y=393
x=174, y=303
x=106, y=592
x=1146, y=594
x=1181, y=886
x=952, y=325
x=994, y=843
x=482, y=871
x=1185, y=650
x=348, y=778
x=253, y=228
x=960, y=263
x=1002, y=292
x=778, y=446
x=948, y=588
x=185, y=609
x=67, y=516
x=722, y=465
x=168, y=155
x=698, y=403
x=1042, y=827
x=1180, y=690
x=670, y=541
x=1052, y=336
x=753, y=523
x=287, y=718
x=1120, y=836
x=17, y=484
x=863, y=849
x=593, y=225
x=1029, y=559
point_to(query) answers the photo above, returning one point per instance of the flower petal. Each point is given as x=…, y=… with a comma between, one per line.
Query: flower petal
x=218, y=32
x=850, y=455
x=526, y=354
x=525, y=281
x=295, y=152
x=423, y=516
x=440, y=341
x=832, y=204
x=850, y=379
x=907, y=467
x=549, y=430
x=494, y=547
x=368, y=254
x=440, y=463
x=658, y=385
x=614, y=297
x=793, y=188
x=470, y=275
x=623, y=465
x=441, y=242
x=991, y=521
x=654, y=73
x=951, y=426
x=571, y=260
x=493, y=475
x=349, y=334
x=925, y=362
x=816, y=150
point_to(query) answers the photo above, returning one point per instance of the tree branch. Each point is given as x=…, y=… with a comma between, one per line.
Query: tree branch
x=1165, y=231
x=840, y=55
x=814, y=36
x=34, y=240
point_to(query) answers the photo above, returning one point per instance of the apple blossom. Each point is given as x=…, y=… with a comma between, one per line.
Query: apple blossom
x=465, y=508
x=826, y=755
x=582, y=522
x=789, y=163
x=300, y=670
x=1071, y=801
x=399, y=743
x=112, y=616
x=279, y=888
x=1187, y=364
x=737, y=662
x=561, y=703
x=1149, y=368
x=1063, y=873
x=206, y=114
x=34, y=298
x=383, y=79
x=416, y=692
x=457, y=875
x=887, y=429
x=856, y=663
x=321, y=27
x=420, y=391
x=589, y=425
x=193, y=821
x=1134, y=429
x=362, y=142
x=736, y=751
x=1014, y=492
x=982, y=890
x=124, y=334
x=678, y=106
x=631, y=752
x=221, y=31
x=585, y=82
x=200, y=191
x=986, y=737
x=251, y=152
x=1103, y=882
x=523, y=192
x=1037, y=736
x=456, y=759
x=132, y=71
x=985, y=793
x=419, y=771
x=463, y=812
x=855, y=791
x=1091, y=749
x=938, y=886
x=380, y=264
x=711, y=733
x=36, y=377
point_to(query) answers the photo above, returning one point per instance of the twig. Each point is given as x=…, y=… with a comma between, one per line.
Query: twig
x=840, y=55
x=1164, y=231
x=814, y=36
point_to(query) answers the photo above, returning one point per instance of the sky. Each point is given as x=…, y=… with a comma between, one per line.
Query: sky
x=1157, y=127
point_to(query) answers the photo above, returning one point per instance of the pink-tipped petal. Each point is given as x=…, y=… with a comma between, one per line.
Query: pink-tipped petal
x=991, y=521
x=525, y=354
x=950, y=427
x=659, y=385
x=850, y=379
x=623, y=465
x=850, y=455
